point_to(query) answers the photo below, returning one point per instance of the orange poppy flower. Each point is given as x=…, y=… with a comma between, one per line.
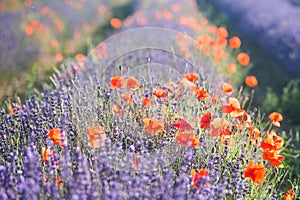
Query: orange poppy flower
x=235, y=42
x=132, y=83
x=255, y=135
x=222, y=32
x=59, y=57
x=226, y=87
x=196, y=176
x=202, y=94
x=96, y=136
x=116, y=109
x=203, y=40
x=54, y=42
x=29, y=30
x=153, y=125
x=80, y=58
x=58, y=181
x=205, y=120
x=251, y=81
x=176, y=7
x=184, y=82
x=147, y=102
x=273, y=157
x=212, y=43
x=231, y=67
x=136, y=161
x=244, y=119
x=11, y=109
x=116, y=23
x=46, y=153
x=276, y=117
x=191, y=77
x=117, y=82
x=233, y=107
x=160, y=93
x=127, y=97
x=187, y=139
x=39, y=27
x=219, y=127
x=243, y=58
x=255, y=172
x=289, y=195
x=183, y=125
x=222, y=42
x=44, y=10
x=272, y=142
x=167, y=15
x=57, y=136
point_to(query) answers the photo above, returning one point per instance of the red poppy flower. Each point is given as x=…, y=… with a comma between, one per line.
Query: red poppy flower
x=136, y=160
x=191, y=77
x=205, y=120
x=272, y=142
x=183, y=125
x=273, y=157
x=289, y=195
x=160, y=93
x=233, y=107
x=147, y=102
x=255, y=172
x=117, y=82
x=196, y=176
x=57, y=136
x=46, y=153
x=202, y=94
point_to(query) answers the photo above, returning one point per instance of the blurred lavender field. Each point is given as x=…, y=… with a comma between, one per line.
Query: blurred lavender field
x=36, y=36
x=272, y=24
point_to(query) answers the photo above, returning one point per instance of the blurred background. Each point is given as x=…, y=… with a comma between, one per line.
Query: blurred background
x=36, y=37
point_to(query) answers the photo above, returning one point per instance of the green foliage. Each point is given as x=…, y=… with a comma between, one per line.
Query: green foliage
x=292, y=152
x=287, y=102
x=290, y=100
x=271, y=101
x=32, y=78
